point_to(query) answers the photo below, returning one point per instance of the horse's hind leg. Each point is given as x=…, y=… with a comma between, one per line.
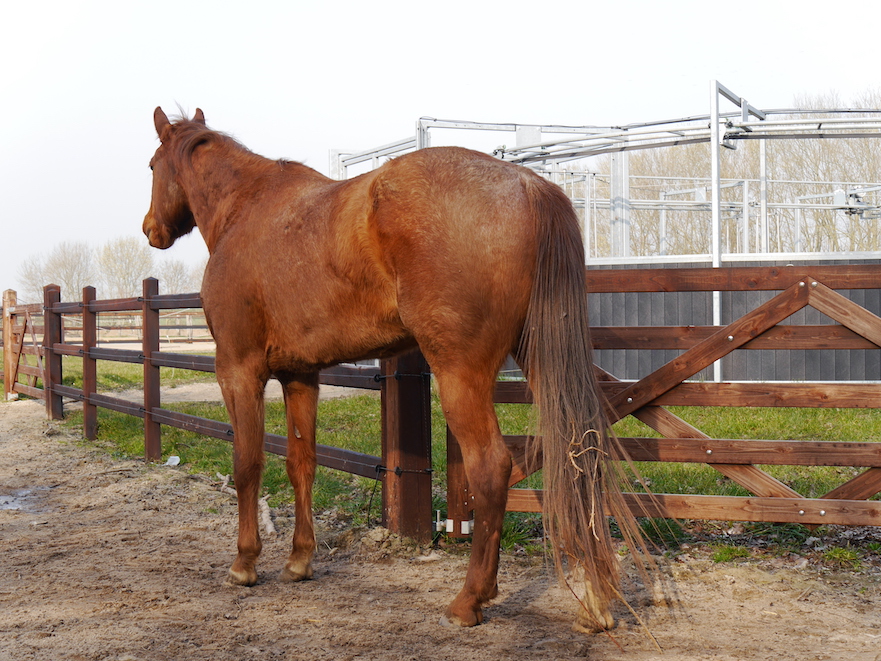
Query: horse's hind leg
x=301, y=403
x=243, y=393
x=466, y=397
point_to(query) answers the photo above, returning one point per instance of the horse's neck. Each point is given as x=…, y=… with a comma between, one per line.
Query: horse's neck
x=217, y=183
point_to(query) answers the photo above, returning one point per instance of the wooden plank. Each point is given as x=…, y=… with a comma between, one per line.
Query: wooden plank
x=808, y=511
x=351, y=377
x=118, y=305
x=63, y=349
x=512, y=392
x=750, y=451
x=349, y=461
x=680, y=338
x=183, y=361
x=117, y=404
x=846, y=312
x=117, y=355
x=749, y=477
x=28, y=370
x=71, y=393
x=862, y=487
x=30, y=391
x=175, y=301
x=759, y=278
x=68, y=307
x=706, y=352
x=520, y=469
x=770, y=394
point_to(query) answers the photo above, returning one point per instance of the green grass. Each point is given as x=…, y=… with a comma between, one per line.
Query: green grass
x=354, y=423
x=854, y=425
x=127, y=376
x=842, y=557
x=729, y=553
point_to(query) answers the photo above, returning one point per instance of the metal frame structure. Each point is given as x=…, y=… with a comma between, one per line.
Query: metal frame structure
x=546, y=148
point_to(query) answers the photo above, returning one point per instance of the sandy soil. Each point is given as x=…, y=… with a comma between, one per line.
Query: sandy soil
x=106, y=559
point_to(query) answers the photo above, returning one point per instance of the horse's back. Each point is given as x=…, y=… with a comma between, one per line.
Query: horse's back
x=456, y=229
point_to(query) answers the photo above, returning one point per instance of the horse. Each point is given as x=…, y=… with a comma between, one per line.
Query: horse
x=467, y=257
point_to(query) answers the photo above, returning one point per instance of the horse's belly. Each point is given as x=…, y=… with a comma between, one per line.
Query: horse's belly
x=315, y=346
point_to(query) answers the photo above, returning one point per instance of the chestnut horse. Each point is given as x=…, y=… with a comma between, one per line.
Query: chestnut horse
x=463, y=255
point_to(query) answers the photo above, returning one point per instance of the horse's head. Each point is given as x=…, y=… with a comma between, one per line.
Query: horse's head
x=169, y=217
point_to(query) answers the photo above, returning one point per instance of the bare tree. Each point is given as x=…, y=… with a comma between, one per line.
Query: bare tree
x=31, y=280
x=70, y=265
x=123, y=264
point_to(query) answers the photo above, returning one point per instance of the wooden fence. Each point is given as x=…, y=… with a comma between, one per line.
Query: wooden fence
x=405, y=464
x=697, y=348
x=403, y=468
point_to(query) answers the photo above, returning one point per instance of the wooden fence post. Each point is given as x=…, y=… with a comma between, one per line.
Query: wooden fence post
x=51, y=360
x=459, y=505
x=9, y=301
x=90, y=367
x=150, y=317
x=406, y=446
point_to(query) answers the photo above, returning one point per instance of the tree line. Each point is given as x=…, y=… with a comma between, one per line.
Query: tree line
x=116, y=269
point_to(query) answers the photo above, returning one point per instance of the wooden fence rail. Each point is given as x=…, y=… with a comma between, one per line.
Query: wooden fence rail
x=757, y=329
x=405, y=441
x=404, y=467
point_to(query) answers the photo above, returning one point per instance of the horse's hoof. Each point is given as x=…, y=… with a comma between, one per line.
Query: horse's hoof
x=241, y=578
x=295, y=572
x=592, y=625
x=470, y=619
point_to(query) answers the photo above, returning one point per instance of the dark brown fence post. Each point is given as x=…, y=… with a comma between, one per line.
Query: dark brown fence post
x=51, y=360
x=152, y=431
x=459, y=505
x=406, y=446
x=90, y=365
x=9, y=301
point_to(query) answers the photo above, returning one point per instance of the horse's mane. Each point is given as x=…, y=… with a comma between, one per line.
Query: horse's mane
x=190, y=134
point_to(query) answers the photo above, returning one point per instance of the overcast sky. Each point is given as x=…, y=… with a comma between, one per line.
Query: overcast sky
x=295, y=79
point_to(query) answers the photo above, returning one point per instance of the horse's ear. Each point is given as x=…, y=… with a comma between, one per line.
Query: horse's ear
x=199, y=117
x=160, y=121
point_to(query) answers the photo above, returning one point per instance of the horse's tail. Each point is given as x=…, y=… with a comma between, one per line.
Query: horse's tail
x=581, y=458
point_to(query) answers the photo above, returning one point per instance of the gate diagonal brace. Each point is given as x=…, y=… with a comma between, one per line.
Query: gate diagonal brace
x=704, y=353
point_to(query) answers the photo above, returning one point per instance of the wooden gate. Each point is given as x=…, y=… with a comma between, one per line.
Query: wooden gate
x=757, y=329
x=23, y=361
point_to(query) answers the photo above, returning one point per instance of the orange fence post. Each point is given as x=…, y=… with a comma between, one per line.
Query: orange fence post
x=152, y=429
x=406, y=446
x=52, y=360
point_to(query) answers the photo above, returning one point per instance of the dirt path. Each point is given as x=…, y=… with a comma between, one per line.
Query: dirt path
x=114, y=560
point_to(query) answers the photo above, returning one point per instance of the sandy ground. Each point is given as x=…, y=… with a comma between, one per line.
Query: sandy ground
x=118, y=560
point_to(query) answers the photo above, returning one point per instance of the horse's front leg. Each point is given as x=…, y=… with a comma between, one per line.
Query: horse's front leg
x=301, y=404
x=243, y=393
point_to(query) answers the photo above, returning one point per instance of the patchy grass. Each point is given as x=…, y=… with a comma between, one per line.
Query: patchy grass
x=843, y=557
x=729, y=553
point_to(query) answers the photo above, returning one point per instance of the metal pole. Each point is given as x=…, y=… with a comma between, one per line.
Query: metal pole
x=715, y=163
x=763, y=196
x=745, y=217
